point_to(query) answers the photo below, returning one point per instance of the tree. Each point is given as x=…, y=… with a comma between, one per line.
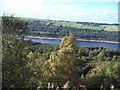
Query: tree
x=91, y=54
x=104, y=73
x=61, y=67
x=14, y=27
x=35, y=65
x=101, y=56
x=13, y=59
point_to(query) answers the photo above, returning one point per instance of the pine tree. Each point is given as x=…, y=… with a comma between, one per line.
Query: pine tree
x=13, y=60
x=61, y=67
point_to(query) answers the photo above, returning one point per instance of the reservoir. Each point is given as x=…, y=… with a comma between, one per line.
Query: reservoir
x=111, y=46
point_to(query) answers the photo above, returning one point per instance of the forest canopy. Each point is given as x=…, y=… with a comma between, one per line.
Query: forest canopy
x=26, y=64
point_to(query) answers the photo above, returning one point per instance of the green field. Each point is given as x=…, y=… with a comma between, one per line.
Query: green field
x=76, y=25
x=110, y=28
x=69, y=24
x=73, y=24
x=92, y=27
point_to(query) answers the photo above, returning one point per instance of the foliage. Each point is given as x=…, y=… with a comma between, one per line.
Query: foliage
x=13, y=59
x=53, y=67
x=104, y=73
x=14, y=27
x=27, y=64
x=81, y=30
x=61, y=67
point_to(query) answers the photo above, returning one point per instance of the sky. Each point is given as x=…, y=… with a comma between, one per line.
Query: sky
x=102, y=11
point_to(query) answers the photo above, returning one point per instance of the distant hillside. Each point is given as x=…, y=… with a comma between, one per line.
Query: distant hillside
x=0, y=24
x=83, y=25
x=81, y=30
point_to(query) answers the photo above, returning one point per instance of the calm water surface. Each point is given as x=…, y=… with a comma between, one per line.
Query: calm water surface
x=80, y=43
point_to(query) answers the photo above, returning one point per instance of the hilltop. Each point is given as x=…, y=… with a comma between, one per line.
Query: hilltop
x=81, y=30
x=81, y=25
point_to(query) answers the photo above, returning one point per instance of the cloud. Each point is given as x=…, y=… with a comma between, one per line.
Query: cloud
x=25, y=6
x=110, y=0
x=61, y=9
x=73, y=1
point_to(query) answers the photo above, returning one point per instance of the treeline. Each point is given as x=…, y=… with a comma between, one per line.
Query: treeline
x=96, y=24
x=26, y=64
x=70, y=63
x=48, y=29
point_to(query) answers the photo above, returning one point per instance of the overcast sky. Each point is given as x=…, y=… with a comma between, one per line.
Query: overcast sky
x=105, y=11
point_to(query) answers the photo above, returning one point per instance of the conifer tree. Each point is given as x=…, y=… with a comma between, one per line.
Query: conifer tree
x=61, y=67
